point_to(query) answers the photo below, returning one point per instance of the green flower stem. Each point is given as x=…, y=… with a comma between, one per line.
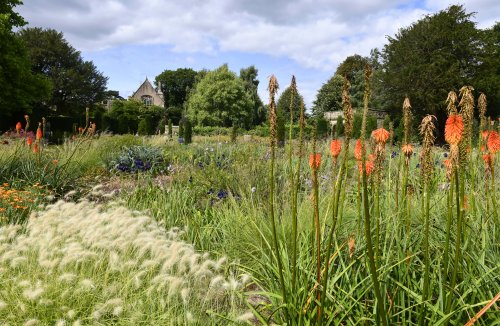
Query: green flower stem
x=369, y=247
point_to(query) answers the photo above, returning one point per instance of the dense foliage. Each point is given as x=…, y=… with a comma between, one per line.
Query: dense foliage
x=21, y=88
x=220, y=99
x=176, y=86
x=438, y=53
x=76, y=83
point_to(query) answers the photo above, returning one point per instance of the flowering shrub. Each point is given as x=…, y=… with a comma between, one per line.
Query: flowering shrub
x=138, y=158
x=77, y=264
x=16, y=204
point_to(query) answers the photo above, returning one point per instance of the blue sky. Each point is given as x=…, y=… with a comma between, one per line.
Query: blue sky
x=130, y=39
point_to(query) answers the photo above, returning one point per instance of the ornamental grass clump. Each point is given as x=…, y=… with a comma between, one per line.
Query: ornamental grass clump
x=80, y=263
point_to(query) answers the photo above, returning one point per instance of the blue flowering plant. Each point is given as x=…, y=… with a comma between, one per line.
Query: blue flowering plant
x=138, y=159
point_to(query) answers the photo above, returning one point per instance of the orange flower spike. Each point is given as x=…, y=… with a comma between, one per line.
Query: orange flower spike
x=335, y=147
x=357, y=150
x=369, y=167
x=380, y=135
x=18, y=127
x=39, y=133
x=488, y=160
x=453, y=129
x=29, y=141
x=315, y=161
x=493, y=142
x=35, y=148
x=407, y=149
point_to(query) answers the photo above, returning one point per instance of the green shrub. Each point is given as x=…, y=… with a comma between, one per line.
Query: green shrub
x=322, y=127
x=188, y=132
x=138, y=159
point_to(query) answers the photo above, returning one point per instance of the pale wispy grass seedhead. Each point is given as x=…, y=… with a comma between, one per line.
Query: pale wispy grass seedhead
x=113, y=264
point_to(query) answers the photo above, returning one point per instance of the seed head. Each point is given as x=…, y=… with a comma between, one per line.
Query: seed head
x=347, y=108
x=427, y=131
x=452, y=100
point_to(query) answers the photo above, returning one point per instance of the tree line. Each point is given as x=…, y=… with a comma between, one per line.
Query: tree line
x=42, y=74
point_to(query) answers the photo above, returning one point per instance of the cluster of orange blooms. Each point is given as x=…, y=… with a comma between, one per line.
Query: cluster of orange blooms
x=17, y=199
x=380, y=136
x=492, y=140
x=29, y=140
x=453, y=135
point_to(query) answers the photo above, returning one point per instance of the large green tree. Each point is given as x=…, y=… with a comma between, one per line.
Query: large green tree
x=76, y=83
x=329, y=97
x=176, y=86
x=351, y=65
x=431, y=57
x=283, y=105
x=20, y=88
x=220, y=99
x=487, y=79
x=249, y=77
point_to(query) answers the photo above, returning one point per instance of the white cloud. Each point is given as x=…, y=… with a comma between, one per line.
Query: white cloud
x=316, y=34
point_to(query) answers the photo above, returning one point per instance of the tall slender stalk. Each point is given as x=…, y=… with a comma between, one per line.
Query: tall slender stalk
x=273, y=87
x=427, y=131
x=336, y=191
x=293, y=90
x=366, y=208
x=314, y=167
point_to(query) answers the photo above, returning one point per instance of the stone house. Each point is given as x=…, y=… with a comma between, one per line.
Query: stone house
x=149, y=95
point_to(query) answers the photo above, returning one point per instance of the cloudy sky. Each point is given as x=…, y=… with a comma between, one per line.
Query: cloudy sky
x=131, y=39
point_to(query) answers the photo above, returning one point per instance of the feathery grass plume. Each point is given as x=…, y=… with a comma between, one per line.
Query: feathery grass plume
x=347, y=108
x=273, y=89
x=452, y=100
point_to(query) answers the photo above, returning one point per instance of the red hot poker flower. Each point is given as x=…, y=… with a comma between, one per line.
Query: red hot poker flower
x=315, y=161
x=18, y=127
x=407, y=149
x=29, y=141
x=488, y=160
x=368, y=166
x=380, y=135
x=39, y=133
x=335, y=147
x=453, y=129
x=357, y=150
x=493, y=142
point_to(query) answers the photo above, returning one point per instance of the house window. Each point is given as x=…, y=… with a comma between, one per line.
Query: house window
x=147, y=100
